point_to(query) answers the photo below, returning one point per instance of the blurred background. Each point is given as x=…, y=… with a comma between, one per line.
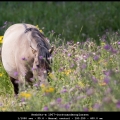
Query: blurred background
x=77, y=21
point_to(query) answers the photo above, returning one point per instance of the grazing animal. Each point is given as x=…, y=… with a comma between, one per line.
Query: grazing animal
x=26, y=54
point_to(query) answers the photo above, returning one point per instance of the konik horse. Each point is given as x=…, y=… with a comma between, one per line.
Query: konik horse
x=26, y=53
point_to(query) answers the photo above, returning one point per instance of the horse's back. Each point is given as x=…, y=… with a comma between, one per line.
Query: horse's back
x=14, y=30
x=13, y=38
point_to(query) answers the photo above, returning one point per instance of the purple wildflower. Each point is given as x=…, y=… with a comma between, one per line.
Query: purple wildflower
x=96, y=57
x=55, y=52
x=34, y=69
x=23, y=58
x=24, y=74
x=94, y=79
x=107, y=73
x=67, y=106
x=113, y=51
x=106, y=80
x=68, y=43
x=106, y=99
x=89, y=91
x=58, y=100
x=108, y=90
x=22, y=100
x=61, y=69
x=15, y=73
x=64, y=90
x=72, y=65
x=85, y=109
x=47, y=39
x=69, y=55
x=52, y=31
x=36, y=85
x=1, y=104
x=77, y=86
x=31, y=79
x=50, y=58
x=104, y=37
x=118, y=104
x=85, y=56
x=96, y=106
x=45, y=108
x=5, y=22
x=78, y=97
x=84, y=66
x=118, y=43
x=76, y=59
x=107, y=47
x=41, y=57
x=65, y=51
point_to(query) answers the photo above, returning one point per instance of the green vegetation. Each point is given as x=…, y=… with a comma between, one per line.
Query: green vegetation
x=84, y=78
x=73, y=20
x=85, y=74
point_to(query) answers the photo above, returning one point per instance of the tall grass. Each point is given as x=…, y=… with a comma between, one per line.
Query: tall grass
x=73, y=20
x=85, y=77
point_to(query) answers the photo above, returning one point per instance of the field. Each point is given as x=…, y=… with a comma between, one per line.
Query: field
x=85, y=77
x=75, y=21
x=85, y=69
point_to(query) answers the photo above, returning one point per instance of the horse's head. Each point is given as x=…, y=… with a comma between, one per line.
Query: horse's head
x=42, y=51
x=42, y=63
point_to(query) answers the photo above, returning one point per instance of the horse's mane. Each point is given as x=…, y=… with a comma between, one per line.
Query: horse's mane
x=42, y=45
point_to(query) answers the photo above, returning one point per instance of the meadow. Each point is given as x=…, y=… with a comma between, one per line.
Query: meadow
x=85, y=77
x=85, y=74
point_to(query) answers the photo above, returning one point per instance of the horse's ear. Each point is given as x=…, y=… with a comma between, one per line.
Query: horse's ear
x=51, y=50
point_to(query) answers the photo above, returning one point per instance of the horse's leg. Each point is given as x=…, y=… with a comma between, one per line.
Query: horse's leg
x=15, y=85
x=21, y=83
x=28, y=77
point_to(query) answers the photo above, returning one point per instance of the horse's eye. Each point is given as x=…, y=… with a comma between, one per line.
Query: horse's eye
x=37, y=66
